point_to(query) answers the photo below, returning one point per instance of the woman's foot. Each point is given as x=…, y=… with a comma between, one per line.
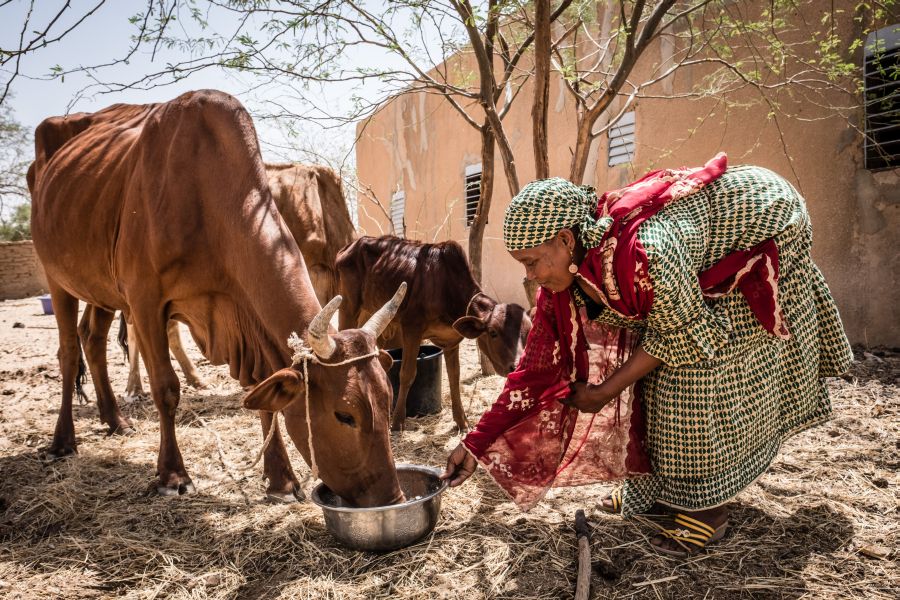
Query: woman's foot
x=686, y=533
x=612, y=504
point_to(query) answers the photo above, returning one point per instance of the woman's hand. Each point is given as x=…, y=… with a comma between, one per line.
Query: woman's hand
x=460, y=466
x=588, y=397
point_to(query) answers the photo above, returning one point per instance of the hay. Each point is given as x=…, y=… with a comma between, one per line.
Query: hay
x=821, y=523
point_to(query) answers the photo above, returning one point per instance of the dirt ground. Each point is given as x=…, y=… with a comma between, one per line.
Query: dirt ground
x=821, y=523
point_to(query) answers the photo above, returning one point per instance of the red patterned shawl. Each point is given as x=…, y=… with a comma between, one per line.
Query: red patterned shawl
x=528, y=441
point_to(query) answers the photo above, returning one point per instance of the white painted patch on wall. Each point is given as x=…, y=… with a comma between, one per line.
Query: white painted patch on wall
x=560, y=96
x=423, y=130
x=666, y=53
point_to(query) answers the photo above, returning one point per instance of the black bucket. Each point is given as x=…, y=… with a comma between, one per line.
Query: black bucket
x=424, y=396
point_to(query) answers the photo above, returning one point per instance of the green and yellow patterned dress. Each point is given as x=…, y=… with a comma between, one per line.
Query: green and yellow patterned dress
x=728, y=393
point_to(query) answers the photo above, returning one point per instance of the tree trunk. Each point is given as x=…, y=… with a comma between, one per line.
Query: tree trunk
x=582, y=148
x=476, y=230
x=541, y=87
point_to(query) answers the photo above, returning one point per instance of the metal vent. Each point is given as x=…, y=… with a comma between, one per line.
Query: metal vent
x=398, y=205
x=621, y=140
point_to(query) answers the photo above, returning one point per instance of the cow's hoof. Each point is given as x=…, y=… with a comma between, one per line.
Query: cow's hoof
x=176, y=489
x=131, y=397
x=124, y=429
x=55, y=453
x=198, y=384
x=286, y=497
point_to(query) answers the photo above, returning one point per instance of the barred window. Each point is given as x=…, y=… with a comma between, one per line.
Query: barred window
x=881, y=73
x=472, y=192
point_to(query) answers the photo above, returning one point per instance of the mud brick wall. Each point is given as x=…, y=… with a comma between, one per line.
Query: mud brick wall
x=21, y=273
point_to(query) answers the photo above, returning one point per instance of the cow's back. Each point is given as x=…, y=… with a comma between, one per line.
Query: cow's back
x=168, y=205
x=435, y=274
x=311, y=200
x=78, y=183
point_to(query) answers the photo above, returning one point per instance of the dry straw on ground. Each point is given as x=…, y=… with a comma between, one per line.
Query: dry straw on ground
x=821, y=523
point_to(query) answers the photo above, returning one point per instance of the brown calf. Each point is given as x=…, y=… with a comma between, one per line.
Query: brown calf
x=443, y=304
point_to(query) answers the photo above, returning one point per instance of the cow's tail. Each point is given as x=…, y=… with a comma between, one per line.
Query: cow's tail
x=81, y=377
x=123, y=335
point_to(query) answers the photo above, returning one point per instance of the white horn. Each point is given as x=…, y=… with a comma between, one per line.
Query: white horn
x=317, y=335
x=378, y=322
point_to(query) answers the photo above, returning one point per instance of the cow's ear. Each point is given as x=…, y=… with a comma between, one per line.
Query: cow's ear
x=385, y=359
x=276, y=392
x=470, y=327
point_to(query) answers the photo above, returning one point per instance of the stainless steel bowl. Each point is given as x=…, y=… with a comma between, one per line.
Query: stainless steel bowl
x=386, y=527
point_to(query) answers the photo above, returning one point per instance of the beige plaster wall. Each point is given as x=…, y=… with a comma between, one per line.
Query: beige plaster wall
x=420, y=143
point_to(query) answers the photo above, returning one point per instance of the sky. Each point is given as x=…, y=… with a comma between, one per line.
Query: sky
x=106, y=35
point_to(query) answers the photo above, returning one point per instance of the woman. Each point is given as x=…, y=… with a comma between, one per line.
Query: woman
x=690, y=296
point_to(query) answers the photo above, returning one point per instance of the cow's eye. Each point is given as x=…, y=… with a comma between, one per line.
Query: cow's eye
x=345, y=418
x=493, y=333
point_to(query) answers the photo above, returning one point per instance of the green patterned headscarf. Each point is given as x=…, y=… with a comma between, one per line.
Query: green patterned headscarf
x=544, y=207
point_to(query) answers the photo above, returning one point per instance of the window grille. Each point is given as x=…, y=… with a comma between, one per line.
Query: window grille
x=473, y=192
x=881, y=73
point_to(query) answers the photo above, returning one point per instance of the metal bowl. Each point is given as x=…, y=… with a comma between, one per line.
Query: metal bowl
x=386, y=527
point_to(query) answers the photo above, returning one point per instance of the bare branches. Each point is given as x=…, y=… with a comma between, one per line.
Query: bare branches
x=731, y=46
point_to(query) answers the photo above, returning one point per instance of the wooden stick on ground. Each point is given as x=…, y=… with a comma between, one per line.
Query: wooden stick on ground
x=583, y=535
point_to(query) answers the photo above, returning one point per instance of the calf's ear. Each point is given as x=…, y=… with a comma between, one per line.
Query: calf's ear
x=470, y=327
x=276, y=392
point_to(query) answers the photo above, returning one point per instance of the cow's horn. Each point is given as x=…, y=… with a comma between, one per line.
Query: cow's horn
x=378, y=322
x=317, y=335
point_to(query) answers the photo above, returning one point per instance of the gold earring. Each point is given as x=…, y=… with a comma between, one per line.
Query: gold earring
x=573, y=268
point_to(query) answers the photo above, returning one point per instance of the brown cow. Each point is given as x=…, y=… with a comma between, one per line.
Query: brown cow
x=311, y=201
x=163, y=211
x=445, y=304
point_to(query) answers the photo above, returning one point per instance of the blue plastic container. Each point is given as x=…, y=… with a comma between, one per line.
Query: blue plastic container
x=46, y=304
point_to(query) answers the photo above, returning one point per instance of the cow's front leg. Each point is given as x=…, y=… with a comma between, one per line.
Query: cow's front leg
x=283, y=485
x=407, y=376
x=166, y=392
x=451, y=359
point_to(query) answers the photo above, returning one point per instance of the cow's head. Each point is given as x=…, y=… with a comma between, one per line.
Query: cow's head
x=348, y=406
x=501, y=334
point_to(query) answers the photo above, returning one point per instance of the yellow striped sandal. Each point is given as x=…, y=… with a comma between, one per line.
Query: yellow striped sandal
x=692, y=535
x=615, y=502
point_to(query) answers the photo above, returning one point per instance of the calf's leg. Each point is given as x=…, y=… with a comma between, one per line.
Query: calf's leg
x=407, y=376
x=451, y=359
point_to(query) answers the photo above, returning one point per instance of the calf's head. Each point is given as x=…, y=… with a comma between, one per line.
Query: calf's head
x=501, y=334
x=349, y=400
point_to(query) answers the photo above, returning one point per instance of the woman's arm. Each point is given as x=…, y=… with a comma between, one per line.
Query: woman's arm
x=588, y=397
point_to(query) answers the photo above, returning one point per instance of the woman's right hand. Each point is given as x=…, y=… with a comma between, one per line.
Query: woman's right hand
x=460, y=466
